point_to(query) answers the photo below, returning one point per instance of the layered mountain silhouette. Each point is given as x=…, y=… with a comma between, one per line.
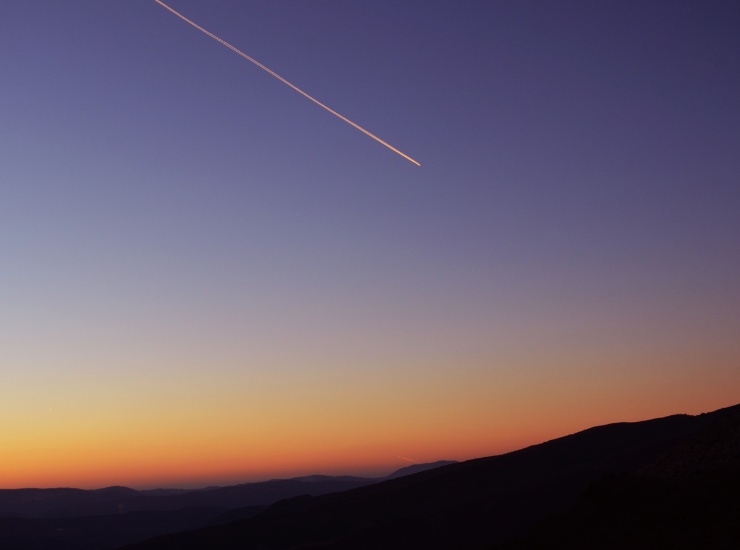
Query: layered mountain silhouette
x=670, y=482
x=76, y=519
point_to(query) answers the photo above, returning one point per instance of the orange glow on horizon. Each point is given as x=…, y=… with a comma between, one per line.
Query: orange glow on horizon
x=187, y=428
x=189, y=459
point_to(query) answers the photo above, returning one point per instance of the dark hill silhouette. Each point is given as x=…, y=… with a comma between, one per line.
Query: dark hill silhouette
x=472, y=504
x=248, y=512
x=76, y=519
x=61, y=503
x=99, y=532
x=688, y=498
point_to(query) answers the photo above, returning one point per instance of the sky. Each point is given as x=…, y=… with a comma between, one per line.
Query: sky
x=207, y=279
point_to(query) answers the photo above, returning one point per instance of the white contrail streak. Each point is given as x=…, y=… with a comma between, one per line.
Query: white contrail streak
x=281, y=79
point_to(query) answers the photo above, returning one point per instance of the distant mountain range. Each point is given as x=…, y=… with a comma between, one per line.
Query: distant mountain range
x=672, y=482
x=77, y=519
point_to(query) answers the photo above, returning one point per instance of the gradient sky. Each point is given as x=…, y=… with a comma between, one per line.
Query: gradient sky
x=207, y=279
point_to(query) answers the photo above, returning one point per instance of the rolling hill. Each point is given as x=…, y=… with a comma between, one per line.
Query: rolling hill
x=490, y=501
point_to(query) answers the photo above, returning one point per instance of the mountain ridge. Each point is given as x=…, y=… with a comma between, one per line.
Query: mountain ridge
x=70, y=502
x=105, y=518
x=471, y=504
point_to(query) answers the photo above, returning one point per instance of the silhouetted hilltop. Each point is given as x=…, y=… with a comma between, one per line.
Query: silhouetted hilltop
x=688, y=498
x=472, y=504
x=715, y=447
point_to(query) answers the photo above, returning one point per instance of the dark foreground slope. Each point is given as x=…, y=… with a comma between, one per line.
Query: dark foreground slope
x=473, y=504
x=689, y=498
x=100, y=532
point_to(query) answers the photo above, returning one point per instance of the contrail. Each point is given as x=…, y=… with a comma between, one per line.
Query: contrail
x=281, y=79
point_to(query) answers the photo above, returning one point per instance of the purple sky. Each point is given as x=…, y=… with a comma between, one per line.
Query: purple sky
x=168, y=211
